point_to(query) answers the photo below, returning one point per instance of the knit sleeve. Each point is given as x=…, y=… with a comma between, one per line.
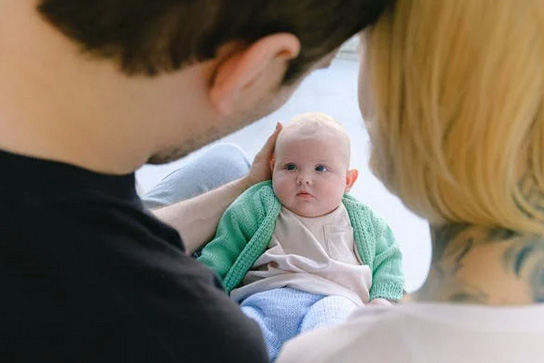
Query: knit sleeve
x=235, y=229
x=387, y=274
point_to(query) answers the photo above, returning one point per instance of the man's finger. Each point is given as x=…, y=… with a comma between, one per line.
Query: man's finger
x=271, y=142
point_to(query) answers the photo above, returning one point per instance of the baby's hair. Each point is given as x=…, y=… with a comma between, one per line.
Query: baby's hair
x=457, y=89
x=315, y=124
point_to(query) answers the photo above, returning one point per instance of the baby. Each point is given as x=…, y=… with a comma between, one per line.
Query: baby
x=297, y=252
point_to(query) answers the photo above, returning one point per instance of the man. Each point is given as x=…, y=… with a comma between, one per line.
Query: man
x=89, y=91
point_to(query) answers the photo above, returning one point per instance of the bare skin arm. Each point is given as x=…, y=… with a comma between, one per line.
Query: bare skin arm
x=196, y=219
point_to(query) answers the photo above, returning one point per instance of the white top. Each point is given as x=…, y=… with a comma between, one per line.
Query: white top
x=417, y=332
x=316, y=255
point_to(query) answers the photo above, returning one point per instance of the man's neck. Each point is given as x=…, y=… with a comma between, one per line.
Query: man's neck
x=474, y=264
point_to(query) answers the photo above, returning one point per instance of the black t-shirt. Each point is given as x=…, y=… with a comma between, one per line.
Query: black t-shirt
x=86, y=274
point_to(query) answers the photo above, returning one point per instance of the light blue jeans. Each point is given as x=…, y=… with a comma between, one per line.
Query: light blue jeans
x=219, y=165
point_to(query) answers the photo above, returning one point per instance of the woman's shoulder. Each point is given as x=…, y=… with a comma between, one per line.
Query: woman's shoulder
x=425, y=332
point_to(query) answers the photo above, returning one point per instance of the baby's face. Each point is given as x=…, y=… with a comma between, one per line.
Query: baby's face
x=309, y=174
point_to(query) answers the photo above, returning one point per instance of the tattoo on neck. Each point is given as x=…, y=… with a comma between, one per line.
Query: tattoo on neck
x=525, y=258
x=472, y=263
x=454, y=249
x=442, y=236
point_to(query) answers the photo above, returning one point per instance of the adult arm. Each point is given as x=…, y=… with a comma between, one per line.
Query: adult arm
x=196, y=219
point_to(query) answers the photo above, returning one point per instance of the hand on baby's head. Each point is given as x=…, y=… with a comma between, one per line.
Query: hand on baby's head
x=310, y=168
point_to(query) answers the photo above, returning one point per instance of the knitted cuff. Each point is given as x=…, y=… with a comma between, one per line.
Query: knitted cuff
x=387, y=291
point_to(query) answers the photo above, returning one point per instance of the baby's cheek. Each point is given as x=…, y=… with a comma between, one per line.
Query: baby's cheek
x=336, y=194
x=281, y=190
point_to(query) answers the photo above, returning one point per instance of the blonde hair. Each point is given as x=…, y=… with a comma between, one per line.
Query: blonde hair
x=458, y=121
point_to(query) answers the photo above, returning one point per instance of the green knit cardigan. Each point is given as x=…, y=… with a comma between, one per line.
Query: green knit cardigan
x=246, y=229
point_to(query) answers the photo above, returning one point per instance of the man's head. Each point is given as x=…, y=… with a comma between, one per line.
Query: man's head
x=126, y=81
x=164, y=35
x=310, y=166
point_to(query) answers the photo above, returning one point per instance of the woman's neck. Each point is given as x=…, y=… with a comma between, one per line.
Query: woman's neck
x=474, y=264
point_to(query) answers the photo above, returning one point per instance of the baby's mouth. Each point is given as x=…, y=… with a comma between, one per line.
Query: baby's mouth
x=304, y=195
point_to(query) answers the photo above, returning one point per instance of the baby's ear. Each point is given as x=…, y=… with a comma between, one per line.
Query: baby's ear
x=351, y=178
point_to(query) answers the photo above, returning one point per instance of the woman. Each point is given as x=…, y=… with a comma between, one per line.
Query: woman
x=453, y=95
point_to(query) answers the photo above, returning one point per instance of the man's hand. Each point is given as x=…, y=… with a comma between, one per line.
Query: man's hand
x=196, y=219
x=260, y=169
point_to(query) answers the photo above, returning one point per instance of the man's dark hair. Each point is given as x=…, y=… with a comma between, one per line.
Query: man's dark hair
x=153, y=36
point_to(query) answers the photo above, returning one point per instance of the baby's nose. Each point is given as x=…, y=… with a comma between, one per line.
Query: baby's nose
x=303, y=178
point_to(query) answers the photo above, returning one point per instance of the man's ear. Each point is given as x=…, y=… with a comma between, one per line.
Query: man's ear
x=243, y=75
x=351, y=178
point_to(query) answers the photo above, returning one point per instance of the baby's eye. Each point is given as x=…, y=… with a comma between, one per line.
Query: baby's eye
x=290, y=167
x=321, y=168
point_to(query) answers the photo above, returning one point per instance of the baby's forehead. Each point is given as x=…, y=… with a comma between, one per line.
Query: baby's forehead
x=315, y=129
x=314, y=126
x=290, y=135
